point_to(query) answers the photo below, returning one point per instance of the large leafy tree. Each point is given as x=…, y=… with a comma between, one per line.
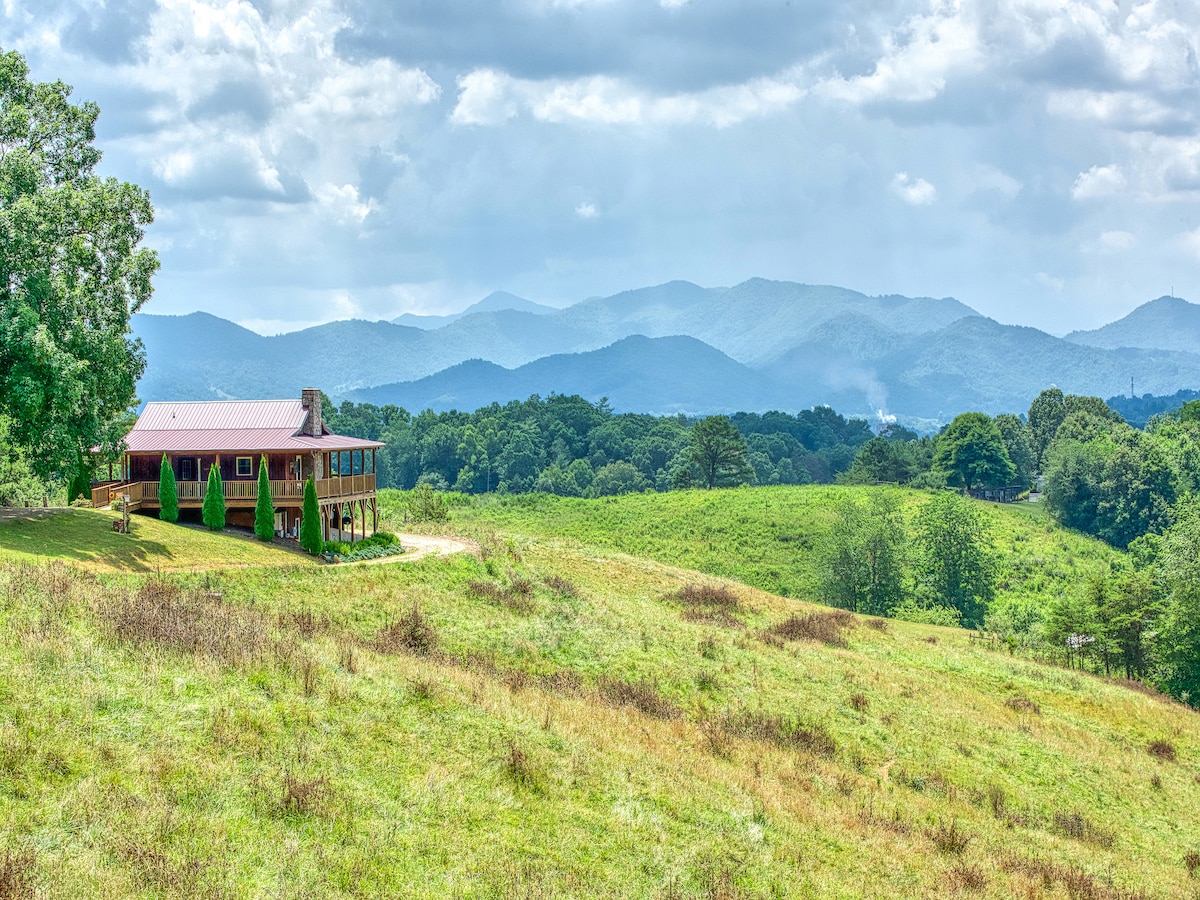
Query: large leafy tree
x=168, y=492
x=972, y=454
x=862, y=559
x=71, y=275
x=956, y=566
x=719, y=452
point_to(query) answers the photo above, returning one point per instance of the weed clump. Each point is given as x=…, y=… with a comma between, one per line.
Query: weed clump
x=827, y=627
x=519, y=767
x=642, y=695
x=302, y=796
x=715, y=604
x=517, y=595
x=783, y=731
x=1191, y=862
x=949, y=838
x=561, y=586
x=859, y=702
x=966, y=877
x=1163, y=751
x=1076, y=825
x=411, y=633
x=17, y=870
x=1022, y=704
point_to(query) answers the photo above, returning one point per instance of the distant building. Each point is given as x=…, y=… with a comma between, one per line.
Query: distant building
x=1007, y=494
x=234, y=435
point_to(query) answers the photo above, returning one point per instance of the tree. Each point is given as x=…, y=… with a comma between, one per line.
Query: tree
x=616, y=478
x=1045, y=415
x=71, y=275
x=213, y=511
x=310, y=520
x=1178, y=642
x=264, y=509
x=862, y=560
x=971, y=452
x=1015, y=435
x=719, y=451
x=168, y=494
x=955, y=563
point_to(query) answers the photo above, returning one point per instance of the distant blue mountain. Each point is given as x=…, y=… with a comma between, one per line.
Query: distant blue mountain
x=493, y=302
x=637, y=374
x=756, y=345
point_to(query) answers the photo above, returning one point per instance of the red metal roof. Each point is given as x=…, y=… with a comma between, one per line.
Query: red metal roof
x=218, y=426
x=221, y=415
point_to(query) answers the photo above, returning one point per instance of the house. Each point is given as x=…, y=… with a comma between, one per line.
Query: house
x=235, y=435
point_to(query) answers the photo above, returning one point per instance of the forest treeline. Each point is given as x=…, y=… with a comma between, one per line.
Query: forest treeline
x=566, y=445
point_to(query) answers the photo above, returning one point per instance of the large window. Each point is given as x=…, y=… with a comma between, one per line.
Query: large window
x=245, y=466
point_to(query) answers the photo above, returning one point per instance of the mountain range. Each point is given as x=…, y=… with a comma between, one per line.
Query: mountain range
x=679, y=347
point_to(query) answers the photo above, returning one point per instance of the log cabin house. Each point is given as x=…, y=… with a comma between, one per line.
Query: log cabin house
x=235, y=435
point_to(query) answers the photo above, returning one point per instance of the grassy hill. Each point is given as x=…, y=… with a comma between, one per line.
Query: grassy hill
x=554, y=717
x=85, y=537
x=765, y=537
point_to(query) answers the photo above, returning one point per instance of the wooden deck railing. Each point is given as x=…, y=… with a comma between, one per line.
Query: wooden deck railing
x=327, y=489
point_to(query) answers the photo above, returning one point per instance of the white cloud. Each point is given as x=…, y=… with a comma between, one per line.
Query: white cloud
x=1189, y=242
x=914, y=191
x=1098, y=181
x=489, y=97
x=344, y=203
x=917, y=58
x=989, y=178
x=1052, y=282
x=587, y=211
x=1118, y=240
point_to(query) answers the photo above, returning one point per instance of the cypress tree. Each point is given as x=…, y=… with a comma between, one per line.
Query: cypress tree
x=264, y=510
x=168, y=494
x=310, y=521
x=214, y=500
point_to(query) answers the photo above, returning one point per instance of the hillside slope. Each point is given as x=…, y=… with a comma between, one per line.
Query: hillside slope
x=557, y=723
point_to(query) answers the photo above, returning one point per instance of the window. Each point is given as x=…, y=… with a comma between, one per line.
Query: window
x=187, y=470
x=245, y=466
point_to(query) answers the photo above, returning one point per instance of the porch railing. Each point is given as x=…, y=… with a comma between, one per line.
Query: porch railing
x=327, y=489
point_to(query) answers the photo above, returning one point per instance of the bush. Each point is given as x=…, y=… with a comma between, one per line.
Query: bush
x=826, y=627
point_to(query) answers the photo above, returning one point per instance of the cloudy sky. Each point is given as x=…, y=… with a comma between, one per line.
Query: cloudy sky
x=322, y=159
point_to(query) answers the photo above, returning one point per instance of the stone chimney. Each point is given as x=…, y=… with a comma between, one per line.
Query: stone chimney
x=310, y=399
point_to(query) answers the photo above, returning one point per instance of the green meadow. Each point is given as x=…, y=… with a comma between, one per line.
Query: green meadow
x=592, y=703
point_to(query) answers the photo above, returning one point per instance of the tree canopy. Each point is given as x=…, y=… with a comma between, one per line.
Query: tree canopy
x=71, y=275
x=971, y=452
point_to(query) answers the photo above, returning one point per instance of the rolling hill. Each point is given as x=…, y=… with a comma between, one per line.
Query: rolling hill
x=493, y=302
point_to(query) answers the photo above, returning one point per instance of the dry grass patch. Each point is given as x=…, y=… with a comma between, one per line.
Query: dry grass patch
x=949, y=838
x=643, y=695
x=714, y=604
x=18, y=869
x=826, y=627
x=302, y=796
x=164, y=614
x=1163, y=751
x=1076, y=825
x=411, y=633
x=1022, y=704
x=1077, y=883
x=783, y=731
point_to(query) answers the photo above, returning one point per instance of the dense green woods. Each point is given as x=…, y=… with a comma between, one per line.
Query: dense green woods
x=569, y=446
